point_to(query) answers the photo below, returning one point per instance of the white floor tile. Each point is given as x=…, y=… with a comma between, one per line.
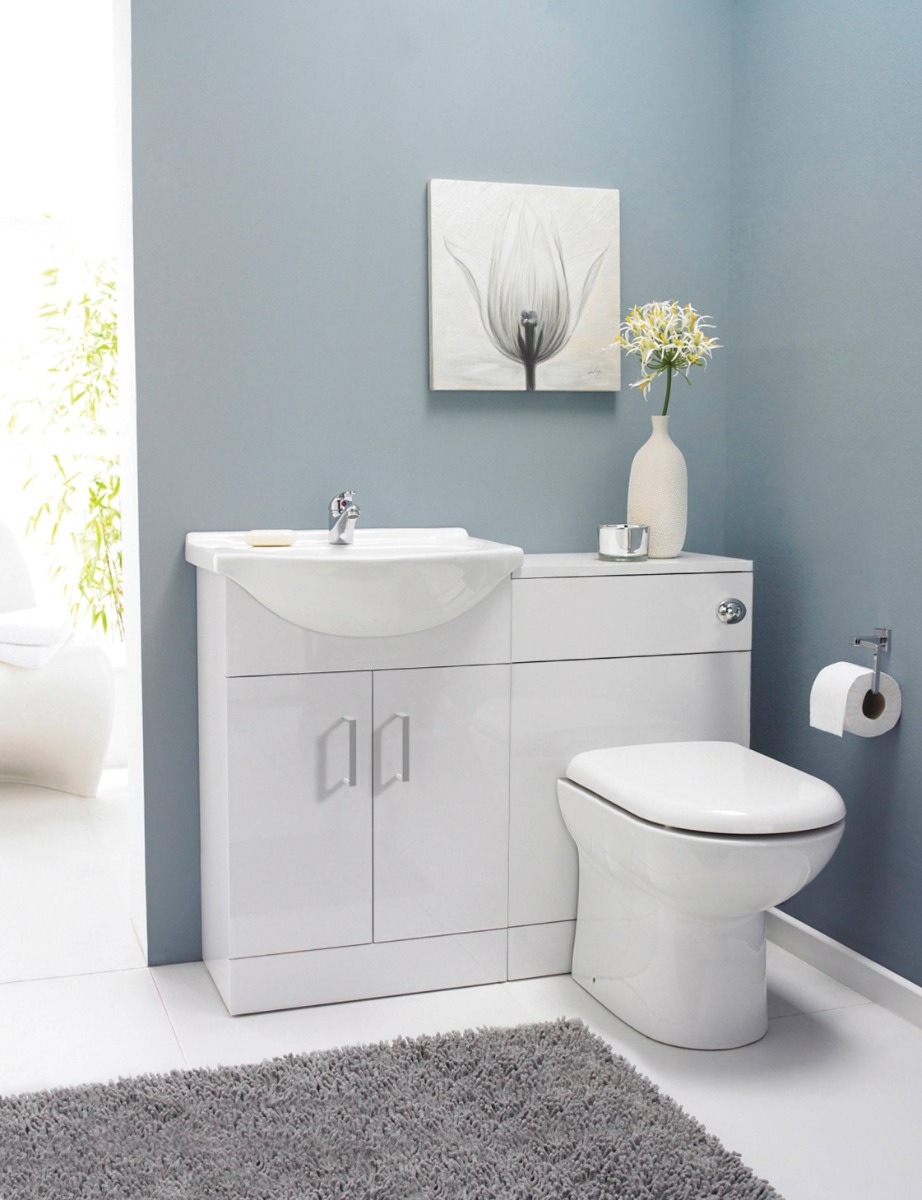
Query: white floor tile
x=85, y=1029
x=63, y=904
x=210, y=1037
x=795, y=987
x=827, y=1105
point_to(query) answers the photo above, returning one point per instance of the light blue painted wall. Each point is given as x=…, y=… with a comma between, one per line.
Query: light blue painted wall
x=824, y=484
x=281, y=151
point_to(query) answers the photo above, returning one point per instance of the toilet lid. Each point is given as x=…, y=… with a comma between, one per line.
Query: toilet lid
x=708, y=787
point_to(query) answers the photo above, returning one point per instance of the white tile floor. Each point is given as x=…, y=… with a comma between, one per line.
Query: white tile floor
x=827, y=1106
x=64, y=886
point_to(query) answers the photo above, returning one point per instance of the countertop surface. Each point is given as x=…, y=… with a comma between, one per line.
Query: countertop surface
x=546, y=566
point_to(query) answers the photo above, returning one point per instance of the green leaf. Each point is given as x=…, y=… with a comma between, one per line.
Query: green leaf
x=79, y=490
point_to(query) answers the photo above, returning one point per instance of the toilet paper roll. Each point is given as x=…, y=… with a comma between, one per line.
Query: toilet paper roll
x=841, y=701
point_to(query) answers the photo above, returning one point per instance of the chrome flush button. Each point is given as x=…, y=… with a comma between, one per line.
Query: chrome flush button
x=731, y=611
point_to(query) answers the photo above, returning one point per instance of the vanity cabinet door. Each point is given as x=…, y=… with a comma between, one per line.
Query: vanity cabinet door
x=299, y=812
x=441, y=806
x=560, y=709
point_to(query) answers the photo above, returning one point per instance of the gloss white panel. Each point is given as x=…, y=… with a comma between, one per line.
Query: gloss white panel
x=670, y=931
x=211, y=626
x=299, y=816
x=441, y=835
x=560, y=709
x=360, y=972
x=212, y=759
x=260, y=643
x=541, y=949
x=616, y=616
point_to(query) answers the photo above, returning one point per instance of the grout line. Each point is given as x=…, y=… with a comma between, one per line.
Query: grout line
x=169, y=1017
x=141, y=966
x=826, y=1008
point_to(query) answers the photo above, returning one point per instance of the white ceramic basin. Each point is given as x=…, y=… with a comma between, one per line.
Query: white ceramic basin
x=390, y=581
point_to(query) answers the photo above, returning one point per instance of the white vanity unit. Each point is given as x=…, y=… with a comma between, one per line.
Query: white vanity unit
x=379, y=814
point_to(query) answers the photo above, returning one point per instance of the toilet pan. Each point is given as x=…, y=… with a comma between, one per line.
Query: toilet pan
x=670, y=929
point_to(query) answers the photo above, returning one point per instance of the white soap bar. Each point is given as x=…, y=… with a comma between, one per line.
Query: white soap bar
x=270, y=537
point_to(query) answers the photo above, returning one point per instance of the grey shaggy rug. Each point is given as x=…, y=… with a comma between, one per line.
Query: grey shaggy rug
x=541, y=1112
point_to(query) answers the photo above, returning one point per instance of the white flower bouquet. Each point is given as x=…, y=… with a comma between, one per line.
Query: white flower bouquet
x=666, y=336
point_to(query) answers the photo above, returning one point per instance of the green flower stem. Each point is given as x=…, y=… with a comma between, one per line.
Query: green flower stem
x=668, y=389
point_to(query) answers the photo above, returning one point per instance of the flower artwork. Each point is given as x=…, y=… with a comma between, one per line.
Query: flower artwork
x=523, y=287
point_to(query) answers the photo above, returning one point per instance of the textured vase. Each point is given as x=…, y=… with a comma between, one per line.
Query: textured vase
x=657, y=493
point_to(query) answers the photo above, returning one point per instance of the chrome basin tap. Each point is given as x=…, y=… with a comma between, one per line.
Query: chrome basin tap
x=344, y=512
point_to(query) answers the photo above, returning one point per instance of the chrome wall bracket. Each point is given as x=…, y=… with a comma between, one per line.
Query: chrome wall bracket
x=878, y=641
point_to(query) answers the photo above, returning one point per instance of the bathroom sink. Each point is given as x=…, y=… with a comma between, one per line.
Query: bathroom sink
x=389, y=581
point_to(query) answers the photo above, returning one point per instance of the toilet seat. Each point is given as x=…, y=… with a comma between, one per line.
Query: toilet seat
x=708, y=787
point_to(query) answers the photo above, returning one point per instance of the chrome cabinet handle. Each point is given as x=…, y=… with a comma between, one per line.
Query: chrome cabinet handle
x=350, y=779
x=404, y=773
x=731, y=611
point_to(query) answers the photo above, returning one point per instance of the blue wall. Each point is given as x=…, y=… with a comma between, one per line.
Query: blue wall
x=281, y=151
x=824, y=485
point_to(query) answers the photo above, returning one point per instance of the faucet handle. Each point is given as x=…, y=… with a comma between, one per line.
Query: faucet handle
x=340, y=503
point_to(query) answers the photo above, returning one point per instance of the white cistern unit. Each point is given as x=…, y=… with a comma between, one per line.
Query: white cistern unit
x=380, y=813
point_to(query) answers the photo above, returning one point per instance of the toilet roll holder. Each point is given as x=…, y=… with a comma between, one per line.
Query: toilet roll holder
x=879, y=640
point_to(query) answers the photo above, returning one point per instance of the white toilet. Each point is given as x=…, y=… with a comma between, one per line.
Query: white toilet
x=683, y=847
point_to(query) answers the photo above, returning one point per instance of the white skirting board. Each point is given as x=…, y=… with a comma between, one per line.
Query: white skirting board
x=867, y=978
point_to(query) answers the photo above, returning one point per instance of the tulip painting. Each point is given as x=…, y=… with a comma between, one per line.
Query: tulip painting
x=522, y=280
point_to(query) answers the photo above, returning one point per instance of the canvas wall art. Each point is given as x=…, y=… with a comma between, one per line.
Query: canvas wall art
x=524, y=287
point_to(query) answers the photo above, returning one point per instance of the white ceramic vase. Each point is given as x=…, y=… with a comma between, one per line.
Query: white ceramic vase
x=657, y=492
